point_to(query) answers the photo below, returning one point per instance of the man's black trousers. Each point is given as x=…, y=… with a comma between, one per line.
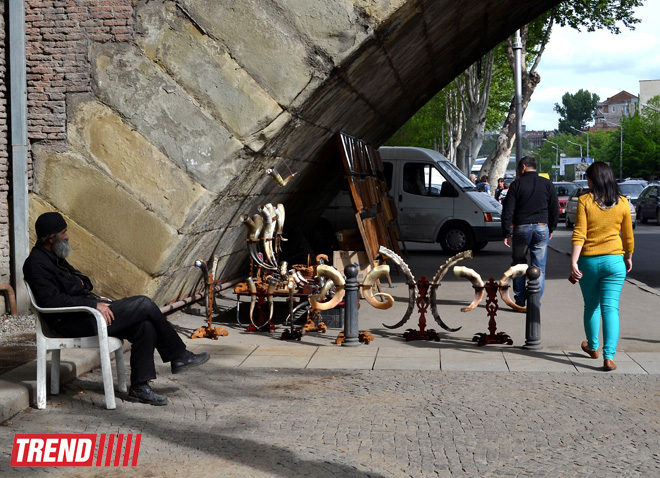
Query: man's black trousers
x=138, y=320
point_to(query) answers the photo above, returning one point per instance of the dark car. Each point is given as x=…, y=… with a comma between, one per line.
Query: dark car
x=632, y=188
x=564, y=190
x=648, y=204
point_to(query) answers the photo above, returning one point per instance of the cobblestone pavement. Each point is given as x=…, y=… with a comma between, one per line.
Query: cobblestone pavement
x=325, y=423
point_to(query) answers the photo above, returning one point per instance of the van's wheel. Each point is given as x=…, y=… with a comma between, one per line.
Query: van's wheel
x=456, y=238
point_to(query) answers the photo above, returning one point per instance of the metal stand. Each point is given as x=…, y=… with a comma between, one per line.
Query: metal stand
x=422, y=308
x=491, y=310
x=533, y=313
x=209, y=331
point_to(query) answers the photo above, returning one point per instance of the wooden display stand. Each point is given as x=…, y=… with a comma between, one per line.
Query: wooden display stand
x=374, y=209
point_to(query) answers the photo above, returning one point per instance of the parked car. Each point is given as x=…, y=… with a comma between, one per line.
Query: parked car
x=581, y=183
x=632, y=188
x=648, y=204
x=564, y=190
x=571, y=207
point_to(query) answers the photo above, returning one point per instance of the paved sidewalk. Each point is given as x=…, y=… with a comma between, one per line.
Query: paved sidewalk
x=561, y=333
x=267, y=407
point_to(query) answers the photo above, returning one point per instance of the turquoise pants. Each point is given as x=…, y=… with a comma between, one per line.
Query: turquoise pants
x=601, y=285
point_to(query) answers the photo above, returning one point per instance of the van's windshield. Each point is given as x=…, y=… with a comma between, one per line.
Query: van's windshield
x=457, y=175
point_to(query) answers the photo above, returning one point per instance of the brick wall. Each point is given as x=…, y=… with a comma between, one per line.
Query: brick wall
x=58, y=34
x=4, y=156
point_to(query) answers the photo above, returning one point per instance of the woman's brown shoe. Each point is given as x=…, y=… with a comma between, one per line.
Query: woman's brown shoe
x=608, y=365
x=591, y=353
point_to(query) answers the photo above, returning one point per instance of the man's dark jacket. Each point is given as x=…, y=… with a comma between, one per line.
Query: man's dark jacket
x=55, y=283
x=531, y=199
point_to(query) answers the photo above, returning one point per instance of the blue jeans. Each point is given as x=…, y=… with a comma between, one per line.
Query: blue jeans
x=532, y=238
x=601, y=283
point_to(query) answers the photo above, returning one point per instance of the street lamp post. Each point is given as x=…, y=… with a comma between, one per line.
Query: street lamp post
x=556, y=146
x=620, y=147
x=587, y=133
x=576, y=144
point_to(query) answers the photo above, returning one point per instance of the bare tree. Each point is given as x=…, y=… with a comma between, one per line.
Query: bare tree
x=496, y=164
x=473, y=87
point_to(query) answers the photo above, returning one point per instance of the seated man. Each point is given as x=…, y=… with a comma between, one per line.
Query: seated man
x=55, y=283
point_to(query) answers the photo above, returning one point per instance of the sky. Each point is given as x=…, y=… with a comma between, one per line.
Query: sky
x=600, y=62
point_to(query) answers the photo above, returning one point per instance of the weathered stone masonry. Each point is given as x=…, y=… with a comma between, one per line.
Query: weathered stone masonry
x=152, y=122
x=58, y=37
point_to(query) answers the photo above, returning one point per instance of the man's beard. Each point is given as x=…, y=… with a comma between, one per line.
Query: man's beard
x=61, y=248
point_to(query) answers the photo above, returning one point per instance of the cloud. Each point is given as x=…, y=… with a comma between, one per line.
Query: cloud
x=600, y=62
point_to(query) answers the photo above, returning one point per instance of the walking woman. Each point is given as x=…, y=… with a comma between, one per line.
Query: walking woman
x=603, y=245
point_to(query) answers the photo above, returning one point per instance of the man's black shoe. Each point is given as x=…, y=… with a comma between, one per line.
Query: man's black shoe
x=144, y=393
x=188, y=360
x=520, y=303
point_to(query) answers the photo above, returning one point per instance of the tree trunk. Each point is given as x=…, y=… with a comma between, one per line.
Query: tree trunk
x=497, y=162
x=474, y=88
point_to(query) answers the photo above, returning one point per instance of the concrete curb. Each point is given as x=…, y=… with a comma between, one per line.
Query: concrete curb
x=18, y=387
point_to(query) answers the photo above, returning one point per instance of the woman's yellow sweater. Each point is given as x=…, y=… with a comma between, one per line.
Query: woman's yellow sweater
x=597, y=228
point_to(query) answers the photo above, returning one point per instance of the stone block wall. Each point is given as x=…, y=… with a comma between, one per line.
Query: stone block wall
x=58, y=38
x=4, y=157
x=59, y=34
x=152, y=122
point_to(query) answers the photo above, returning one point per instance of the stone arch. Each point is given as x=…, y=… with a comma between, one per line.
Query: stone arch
x=171, y=147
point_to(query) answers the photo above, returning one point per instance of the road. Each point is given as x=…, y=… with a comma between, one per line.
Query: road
x=645, y=259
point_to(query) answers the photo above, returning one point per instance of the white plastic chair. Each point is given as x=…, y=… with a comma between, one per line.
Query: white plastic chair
x=105, y=344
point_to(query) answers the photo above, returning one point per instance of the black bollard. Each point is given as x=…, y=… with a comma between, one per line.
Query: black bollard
x=351, y=328
x=533, y=314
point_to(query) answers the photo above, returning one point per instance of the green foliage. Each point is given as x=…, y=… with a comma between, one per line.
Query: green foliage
x=424, y=127
x=640, y=154
x=576, y=111
x=598, y=14
x=590, y=15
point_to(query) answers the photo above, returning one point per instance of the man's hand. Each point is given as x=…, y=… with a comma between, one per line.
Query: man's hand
x=105, y=312
x=507, y=241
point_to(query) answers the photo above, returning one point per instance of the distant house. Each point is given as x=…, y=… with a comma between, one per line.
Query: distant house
x=535, y=138
x=610, y=111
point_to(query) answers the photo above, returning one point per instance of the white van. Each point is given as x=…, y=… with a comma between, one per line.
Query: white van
x=435, y=202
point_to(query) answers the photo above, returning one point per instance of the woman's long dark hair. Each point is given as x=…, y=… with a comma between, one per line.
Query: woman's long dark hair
x=603, y=185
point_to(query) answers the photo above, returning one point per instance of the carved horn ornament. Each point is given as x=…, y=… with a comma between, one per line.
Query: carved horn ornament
x=505, y=282
x=477, y=283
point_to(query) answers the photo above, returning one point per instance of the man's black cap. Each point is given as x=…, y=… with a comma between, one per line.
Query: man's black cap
x=49, y=223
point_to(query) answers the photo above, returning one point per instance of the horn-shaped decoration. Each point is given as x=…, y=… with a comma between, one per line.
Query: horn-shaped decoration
x=254, y=225
x=269, y=228
x=412, y=285
x=272, y=285
x=334, y=275
x=273, y=173
x=253, y=294
x=280, y=223
x=505, y=281
x=374, y=274
x=477, y=283
x=435, y=283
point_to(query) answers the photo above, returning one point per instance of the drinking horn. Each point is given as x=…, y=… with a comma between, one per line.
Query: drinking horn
x=477, y=284
x=506, y=280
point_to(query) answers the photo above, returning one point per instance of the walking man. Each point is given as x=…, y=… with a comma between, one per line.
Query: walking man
x=530, y=213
